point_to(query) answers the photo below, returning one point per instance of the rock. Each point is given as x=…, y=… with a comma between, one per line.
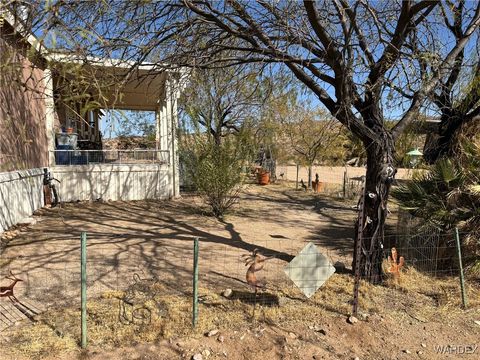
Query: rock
x=227, y=293
x=27, y=221
x=364, y=316
x=356, y=358
x=221, y=339
x=423, y=345
x=224, y=353
x=197, y=357
x=292, y=335
x=352, y=320
x=420, y=352
x=339, y=267
x=212, y=333
x=406, y=351
x=180, y=344
x=477, y=322
x=282, y=301
x=319, y=329
x=206, y=353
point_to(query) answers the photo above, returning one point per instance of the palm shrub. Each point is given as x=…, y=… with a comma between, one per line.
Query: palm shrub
x=448, y=196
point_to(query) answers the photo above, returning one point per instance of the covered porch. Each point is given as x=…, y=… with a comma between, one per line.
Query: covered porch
x=85, y=90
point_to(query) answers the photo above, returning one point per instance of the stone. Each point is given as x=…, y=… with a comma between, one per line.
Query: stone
x=282, y=301
x=364, y=316
x=27, y=221
x=420, y=352
x=292, y=335
x=227, y=293
x=356, y=358
x=206, y=353
x=212, y=332
x=197, y=357
x=406, y=351
x=423, y=345
x=221, y=339
x=477, y=322
x=339, y=267
x=352, y=320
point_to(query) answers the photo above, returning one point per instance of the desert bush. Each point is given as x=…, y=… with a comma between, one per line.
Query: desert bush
x=217, y=171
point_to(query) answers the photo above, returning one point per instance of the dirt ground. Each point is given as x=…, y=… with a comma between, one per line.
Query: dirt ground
x=148, y=245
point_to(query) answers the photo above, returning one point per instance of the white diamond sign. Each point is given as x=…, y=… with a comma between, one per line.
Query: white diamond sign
x=309, y=270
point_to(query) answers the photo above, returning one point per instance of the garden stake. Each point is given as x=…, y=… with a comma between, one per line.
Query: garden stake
x=358, y=252
x=460, y=266
x=195, y=282
x=83, y=274
x=296, y=182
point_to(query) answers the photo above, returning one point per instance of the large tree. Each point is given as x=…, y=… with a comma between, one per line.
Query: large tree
x=347, y=53
x=457, y=98
x=222, y=101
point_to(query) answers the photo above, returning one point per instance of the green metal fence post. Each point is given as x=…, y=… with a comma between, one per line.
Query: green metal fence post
x=460, y=266
x=195, y=282
x=83, y=274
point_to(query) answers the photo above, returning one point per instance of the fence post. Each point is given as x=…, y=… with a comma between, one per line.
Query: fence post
x=344, y=184
x=195, y=282
x=296, y=184
x=83, y=274
x=460, y=266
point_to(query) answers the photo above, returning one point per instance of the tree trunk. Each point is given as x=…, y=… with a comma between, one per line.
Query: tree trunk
x=379, y=176
x=444, y=141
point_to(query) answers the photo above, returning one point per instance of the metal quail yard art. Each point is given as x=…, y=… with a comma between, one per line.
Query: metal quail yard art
x=309, y=270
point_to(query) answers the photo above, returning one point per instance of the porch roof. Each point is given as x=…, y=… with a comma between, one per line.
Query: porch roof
x=127, y=85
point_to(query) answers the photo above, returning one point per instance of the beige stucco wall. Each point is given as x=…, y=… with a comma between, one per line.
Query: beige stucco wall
x=21, y=193
x=113, y=182
x=23, y=141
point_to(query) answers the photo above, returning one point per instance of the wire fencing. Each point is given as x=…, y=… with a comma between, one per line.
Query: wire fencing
x=130, y=283
x=340, y=181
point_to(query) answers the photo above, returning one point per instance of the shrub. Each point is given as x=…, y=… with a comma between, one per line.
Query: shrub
x=217, y=170
x=448, y=196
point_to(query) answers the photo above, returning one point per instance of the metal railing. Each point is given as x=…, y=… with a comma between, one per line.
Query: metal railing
x=86, y=157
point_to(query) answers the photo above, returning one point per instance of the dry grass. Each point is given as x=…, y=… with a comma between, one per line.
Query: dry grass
x=57, y=331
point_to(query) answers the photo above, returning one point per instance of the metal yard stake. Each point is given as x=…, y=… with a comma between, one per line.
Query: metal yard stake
x=195, y=282
x=358, y=252
x=296, y=182
x=460, y=266
x=83, y=274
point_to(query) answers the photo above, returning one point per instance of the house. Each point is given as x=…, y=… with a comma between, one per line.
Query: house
x=50, y=110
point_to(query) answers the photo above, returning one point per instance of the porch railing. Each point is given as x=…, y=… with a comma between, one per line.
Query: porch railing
x=86, y=157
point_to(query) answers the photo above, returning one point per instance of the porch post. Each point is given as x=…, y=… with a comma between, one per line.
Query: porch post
x=49, y=116
x=172, y=94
